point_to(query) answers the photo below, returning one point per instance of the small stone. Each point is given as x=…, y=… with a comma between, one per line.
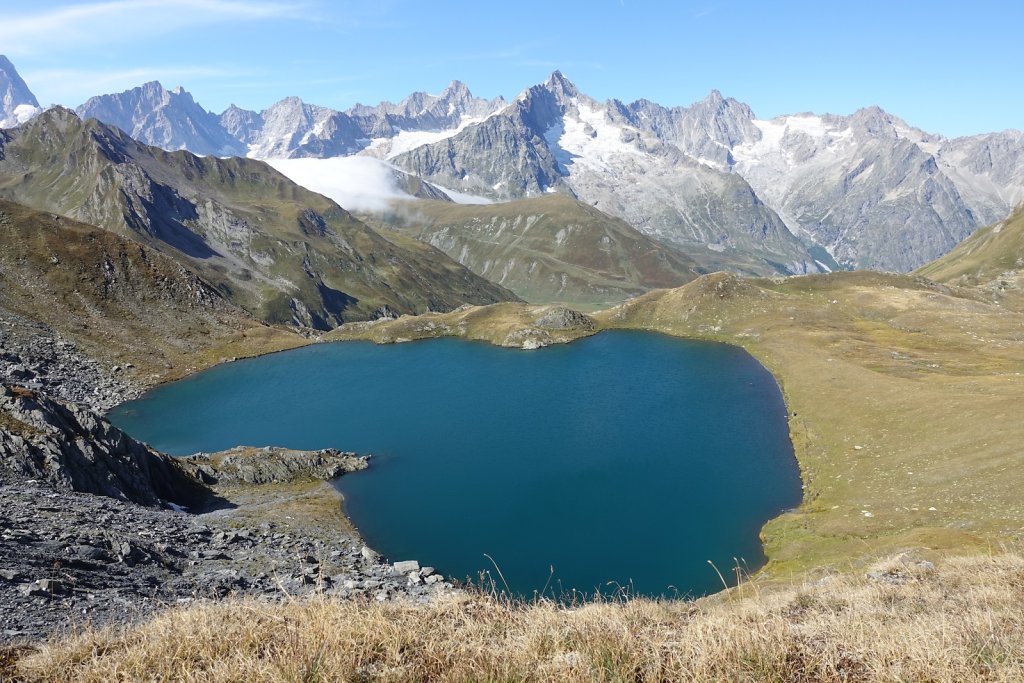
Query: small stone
x=370, y=555
x=426, y=571
x=406, y=566
x=433, y=578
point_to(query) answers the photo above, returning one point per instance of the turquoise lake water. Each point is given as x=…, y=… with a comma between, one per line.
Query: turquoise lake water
x=626, y=459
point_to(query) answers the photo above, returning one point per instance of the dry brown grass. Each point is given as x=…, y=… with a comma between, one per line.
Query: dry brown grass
x=961, y=621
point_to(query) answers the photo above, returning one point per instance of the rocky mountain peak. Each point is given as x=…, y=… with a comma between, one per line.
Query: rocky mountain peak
x=560, y=86
x=17, y=103
x=456, y=90
x=714, y=98
x=169, y=119
x=874, y=121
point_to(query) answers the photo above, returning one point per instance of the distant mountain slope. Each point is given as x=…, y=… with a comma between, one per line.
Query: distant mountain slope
x=123, y=300
x=169, y=119
x=991, y=257
x=867, y=187
x=862, y=191
x=873, y=190
x=277, y=250
x=555, y=139
x=17, y=103
x=547, y=249
x=292, y=129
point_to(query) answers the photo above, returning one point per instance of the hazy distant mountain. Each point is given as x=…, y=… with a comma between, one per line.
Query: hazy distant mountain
x=17, y=103
x=170, y=119
x=292, y=128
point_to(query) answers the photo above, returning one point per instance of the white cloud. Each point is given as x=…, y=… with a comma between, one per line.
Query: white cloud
x=357, y=183
x=100, y=23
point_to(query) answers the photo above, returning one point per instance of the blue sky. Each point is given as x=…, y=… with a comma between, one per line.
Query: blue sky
x=947, y=67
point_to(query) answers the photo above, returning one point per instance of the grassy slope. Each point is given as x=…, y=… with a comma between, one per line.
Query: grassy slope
x=262, y=240
x=123, y=302
x=992, y=258
x=958, y=622
x=549, y=249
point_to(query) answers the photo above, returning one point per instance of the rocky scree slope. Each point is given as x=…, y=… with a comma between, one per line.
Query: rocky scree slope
x=280, y=252
x=84, y=539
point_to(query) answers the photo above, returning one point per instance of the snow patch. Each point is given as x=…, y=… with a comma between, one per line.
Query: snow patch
x=589, y=139
x=408, y=140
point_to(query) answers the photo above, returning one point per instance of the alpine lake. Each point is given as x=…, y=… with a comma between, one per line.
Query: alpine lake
x=626, y=462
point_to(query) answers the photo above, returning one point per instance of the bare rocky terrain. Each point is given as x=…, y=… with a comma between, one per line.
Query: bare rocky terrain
x=97, y=528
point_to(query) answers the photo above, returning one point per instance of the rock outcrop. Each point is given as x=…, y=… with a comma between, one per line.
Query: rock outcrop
x=75, y=449
x=272, y=465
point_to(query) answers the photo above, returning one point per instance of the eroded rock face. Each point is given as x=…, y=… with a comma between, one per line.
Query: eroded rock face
x=75, y=449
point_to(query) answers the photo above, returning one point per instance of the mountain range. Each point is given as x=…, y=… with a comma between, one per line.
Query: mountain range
x=712, y=183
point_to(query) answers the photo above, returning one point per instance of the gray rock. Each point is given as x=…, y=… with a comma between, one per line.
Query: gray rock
x=406, y=566
x=76, y=449
x=166, y=118
x=273, y=465
x=561, y=318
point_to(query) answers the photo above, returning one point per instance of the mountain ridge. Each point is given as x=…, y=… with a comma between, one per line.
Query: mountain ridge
x=277, y=250
x=866, y=189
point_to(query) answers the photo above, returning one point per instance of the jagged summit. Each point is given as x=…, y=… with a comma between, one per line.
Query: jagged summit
x=170, y=119
x=456, y=89
x=17, y=103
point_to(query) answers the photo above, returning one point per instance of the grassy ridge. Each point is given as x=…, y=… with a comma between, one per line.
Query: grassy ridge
x=992, y=258
x=907, y=621
x=273, y=248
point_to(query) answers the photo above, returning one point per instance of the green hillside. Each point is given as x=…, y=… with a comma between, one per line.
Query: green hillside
x=548, y=249
x=268, y=245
